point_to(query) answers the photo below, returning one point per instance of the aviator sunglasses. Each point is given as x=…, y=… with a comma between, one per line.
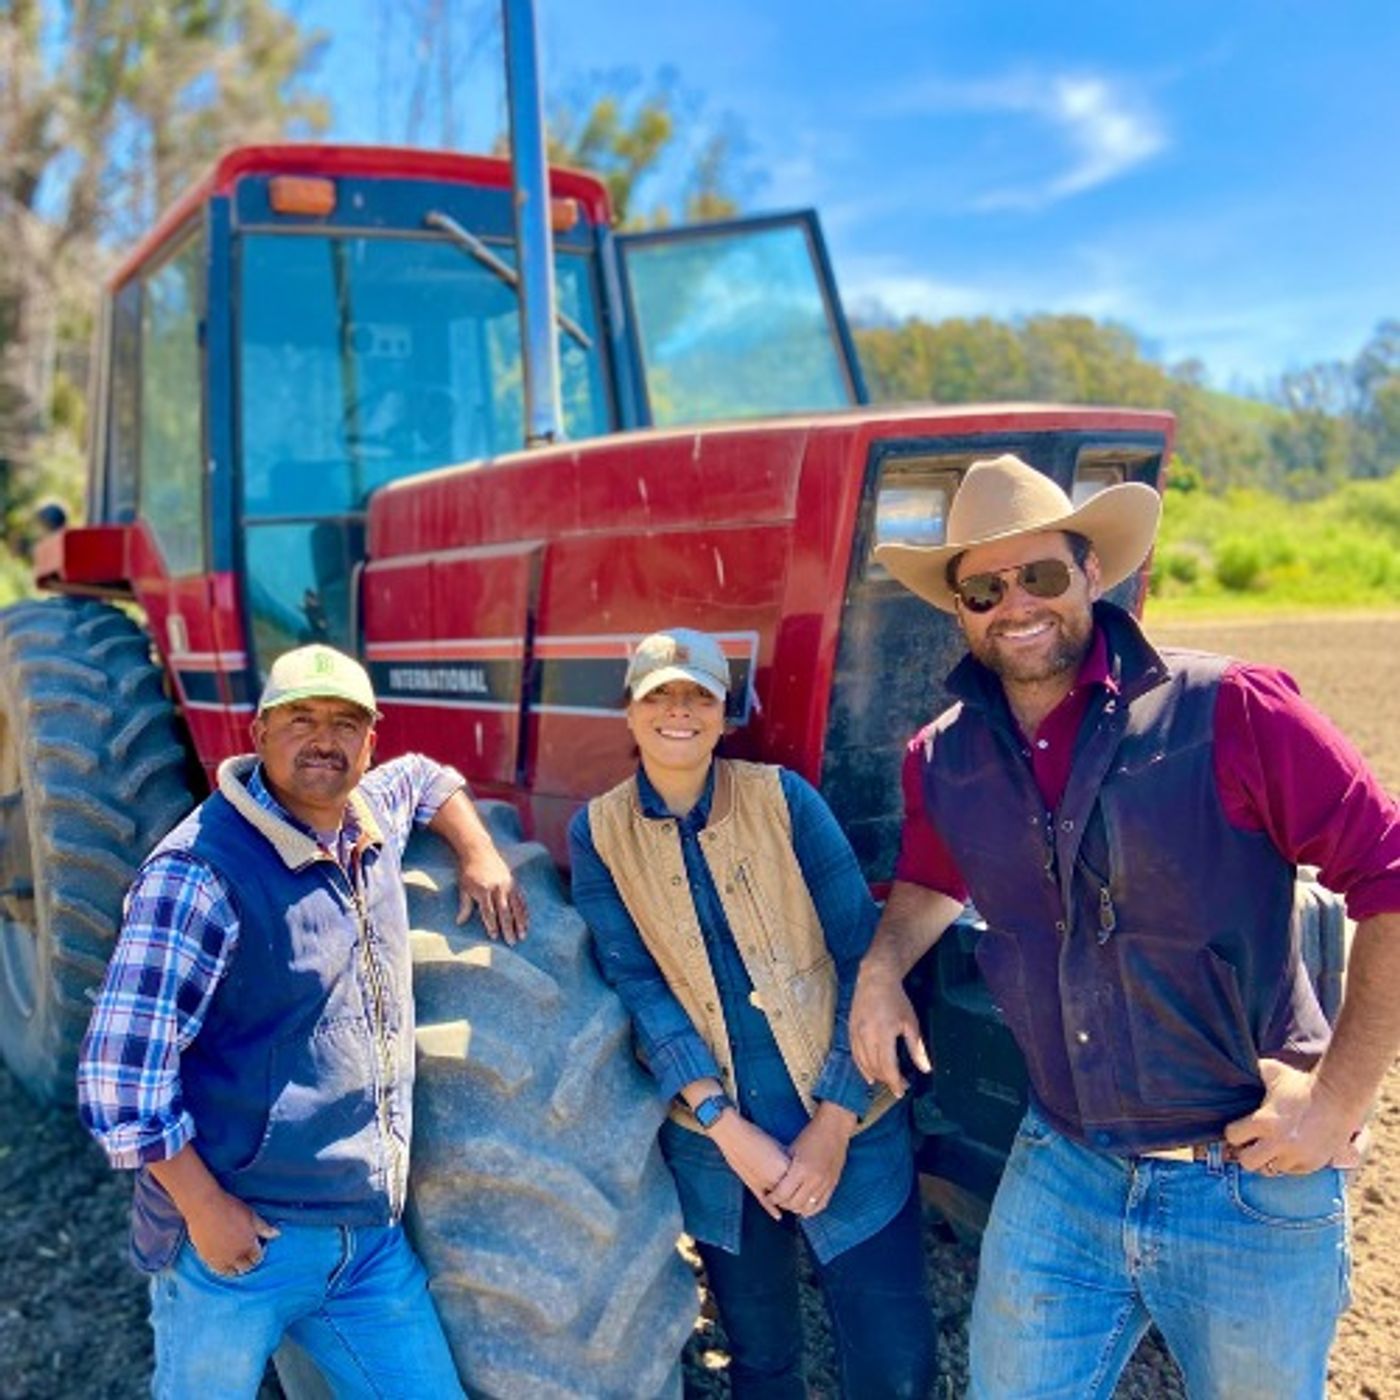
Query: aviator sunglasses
x=1041, y=578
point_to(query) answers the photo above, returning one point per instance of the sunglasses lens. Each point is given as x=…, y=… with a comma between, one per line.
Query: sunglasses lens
x=1045, y=578
x=1041, y=578
x=981, y=592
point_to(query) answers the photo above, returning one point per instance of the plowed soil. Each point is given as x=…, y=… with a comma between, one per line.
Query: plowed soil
x=72, y=1312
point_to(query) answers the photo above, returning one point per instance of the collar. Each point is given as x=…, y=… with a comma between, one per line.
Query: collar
x=240, y=782
x=653, y=805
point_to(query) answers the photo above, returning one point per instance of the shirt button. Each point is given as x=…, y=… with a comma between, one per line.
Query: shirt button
x=775, y=1014
x=1066, y=825
x=1042, y=743
x=710, y=1006
x=675, y=879
x=1082, y=1037
x=1060, y=926
x=729, y=889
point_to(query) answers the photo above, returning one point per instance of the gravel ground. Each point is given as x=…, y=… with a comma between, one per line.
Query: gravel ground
x=72, y=1312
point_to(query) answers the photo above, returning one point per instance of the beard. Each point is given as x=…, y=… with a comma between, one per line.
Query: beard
x=1063, y=650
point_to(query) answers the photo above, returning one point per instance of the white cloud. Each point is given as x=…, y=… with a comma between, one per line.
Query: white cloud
x=1103, y=129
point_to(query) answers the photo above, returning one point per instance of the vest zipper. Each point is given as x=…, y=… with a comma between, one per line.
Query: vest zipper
x=386, y=1064
x=1108, y=915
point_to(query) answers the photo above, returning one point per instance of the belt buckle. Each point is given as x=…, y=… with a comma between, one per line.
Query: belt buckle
x=1194, y=1152
x=1186, y=1152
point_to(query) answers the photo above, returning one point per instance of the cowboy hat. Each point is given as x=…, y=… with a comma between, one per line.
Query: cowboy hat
x=1001, y=497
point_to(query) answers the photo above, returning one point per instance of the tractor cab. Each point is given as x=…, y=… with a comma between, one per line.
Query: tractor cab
x=311, y=323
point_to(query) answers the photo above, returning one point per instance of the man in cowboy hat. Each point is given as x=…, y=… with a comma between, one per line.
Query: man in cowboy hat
x=1128, y=822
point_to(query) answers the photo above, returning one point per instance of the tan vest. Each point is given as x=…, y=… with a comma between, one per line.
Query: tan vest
x=747, y=845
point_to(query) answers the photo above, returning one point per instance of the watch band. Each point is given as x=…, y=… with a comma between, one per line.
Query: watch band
x=707, y=1111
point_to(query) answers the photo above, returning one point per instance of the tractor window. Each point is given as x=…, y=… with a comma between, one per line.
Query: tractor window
x=364, y=359
x=123, y=406
x=737, y=321
x=171, y=439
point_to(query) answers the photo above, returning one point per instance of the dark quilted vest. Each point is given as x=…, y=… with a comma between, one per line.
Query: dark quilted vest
x=1137, y=944
x=300, y=1080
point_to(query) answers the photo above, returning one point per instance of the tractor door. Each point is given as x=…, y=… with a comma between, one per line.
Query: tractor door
x=737, y=320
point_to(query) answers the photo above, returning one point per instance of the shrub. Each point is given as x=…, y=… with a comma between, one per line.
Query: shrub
x=1239, y=563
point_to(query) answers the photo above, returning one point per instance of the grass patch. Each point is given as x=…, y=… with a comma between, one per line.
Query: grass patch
x=1245, y=551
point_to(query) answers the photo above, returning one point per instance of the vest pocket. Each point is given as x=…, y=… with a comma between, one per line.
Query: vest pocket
x=320, y=1095
x=1191, y=1039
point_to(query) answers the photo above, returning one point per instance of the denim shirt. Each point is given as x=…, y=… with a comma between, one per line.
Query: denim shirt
x=879, y=1165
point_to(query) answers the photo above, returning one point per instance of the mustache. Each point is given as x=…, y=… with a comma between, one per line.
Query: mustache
x=320, y=757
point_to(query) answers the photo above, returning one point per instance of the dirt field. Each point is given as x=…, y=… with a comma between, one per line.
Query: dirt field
x=1350, y=669
x=72, y=1313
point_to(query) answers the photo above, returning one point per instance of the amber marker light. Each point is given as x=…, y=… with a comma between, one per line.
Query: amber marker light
x=301, y=194
x=563, y=214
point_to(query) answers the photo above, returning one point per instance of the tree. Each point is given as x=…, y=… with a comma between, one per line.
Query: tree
x=636, y=140
x=107, y=108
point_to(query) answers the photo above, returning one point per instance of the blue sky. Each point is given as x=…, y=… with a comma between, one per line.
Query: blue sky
x=1220, y=177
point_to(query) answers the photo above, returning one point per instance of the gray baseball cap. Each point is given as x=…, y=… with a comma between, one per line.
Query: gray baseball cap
x=678, y=654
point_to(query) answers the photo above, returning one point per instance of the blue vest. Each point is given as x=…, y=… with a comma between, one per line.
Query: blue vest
x=300, y=1081
x=1137, y=943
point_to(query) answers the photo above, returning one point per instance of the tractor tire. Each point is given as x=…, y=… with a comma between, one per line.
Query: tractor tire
x=92, y=773
x=538, y=1198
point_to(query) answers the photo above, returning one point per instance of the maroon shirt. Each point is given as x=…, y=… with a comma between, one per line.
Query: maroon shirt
x=1281, y=767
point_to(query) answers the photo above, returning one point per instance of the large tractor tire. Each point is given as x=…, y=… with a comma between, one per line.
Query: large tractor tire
x=92, y=774
x=538, y=1198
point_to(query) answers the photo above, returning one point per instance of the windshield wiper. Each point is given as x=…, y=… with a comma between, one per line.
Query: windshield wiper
x=470, y=243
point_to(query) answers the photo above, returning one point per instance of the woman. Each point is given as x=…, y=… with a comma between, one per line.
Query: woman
x=730, y=915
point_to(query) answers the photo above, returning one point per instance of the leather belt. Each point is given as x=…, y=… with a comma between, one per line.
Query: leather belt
x=1192, y=1152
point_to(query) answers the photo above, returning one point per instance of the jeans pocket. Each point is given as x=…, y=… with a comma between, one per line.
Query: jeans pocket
x=199, y=1263
x=1316, y=1201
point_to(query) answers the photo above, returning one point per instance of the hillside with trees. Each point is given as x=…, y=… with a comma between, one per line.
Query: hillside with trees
x=1317, y=429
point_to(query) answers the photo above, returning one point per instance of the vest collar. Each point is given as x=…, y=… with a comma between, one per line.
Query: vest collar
x=295, y=846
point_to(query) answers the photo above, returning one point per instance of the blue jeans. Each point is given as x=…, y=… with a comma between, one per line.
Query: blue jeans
x=881, y=1323
x=355, y=1299
x=1243, y=1274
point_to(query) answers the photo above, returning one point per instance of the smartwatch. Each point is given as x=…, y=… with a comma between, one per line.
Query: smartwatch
x=707, y=1111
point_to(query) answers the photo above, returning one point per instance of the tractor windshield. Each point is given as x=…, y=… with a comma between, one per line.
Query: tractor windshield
x=362, y=359
x=365, y=359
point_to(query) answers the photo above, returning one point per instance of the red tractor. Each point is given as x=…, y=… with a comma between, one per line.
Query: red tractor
x=312, y=378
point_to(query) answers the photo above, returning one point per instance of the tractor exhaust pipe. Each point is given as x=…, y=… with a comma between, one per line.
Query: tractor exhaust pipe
x=544, y=413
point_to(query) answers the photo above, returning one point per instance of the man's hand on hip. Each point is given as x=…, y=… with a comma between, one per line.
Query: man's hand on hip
x=1298, y=1128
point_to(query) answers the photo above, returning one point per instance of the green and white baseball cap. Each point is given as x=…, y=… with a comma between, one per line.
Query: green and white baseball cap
x=317, y=672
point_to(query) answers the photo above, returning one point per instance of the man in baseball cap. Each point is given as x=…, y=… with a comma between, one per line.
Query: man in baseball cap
x=251, y=1053
x=317, y=672
x=1129, y=821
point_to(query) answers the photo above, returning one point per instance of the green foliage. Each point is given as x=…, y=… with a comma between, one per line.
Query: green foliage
x=1251, y=548
x=14, y=578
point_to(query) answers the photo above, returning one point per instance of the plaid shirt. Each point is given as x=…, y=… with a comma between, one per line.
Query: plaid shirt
x=179, y=933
